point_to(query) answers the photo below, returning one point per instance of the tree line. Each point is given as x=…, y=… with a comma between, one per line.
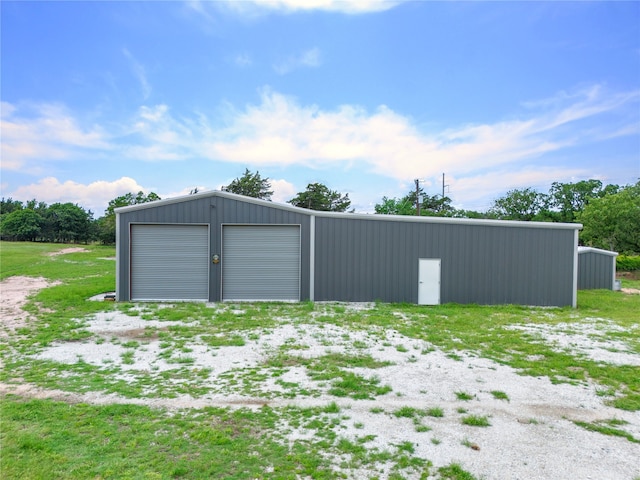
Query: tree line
x=610, y=214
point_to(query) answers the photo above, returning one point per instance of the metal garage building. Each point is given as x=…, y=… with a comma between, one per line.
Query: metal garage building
x=217, y=246
x=596, y=268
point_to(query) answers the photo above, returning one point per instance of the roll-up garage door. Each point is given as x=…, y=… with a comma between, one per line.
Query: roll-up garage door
x=261, y=262
x=169, y=262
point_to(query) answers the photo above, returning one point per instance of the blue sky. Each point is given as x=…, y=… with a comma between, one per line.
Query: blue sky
x=103, y=98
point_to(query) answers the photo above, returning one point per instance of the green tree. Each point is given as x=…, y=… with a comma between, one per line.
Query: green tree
x=567, y=200
x=251, y=185
x=430, y=205
x=106, y=225
x=612, y=222
x=130, y=199
x=22, y=224
x=67, y=222
x=319, y=197
x=395, y=206
x=36, y=206
x=9, y=205
x=519, y=204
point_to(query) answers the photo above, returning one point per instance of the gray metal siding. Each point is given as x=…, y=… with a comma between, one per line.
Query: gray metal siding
x=596, y=270
x=169, y=262
x=261, y=262
x=362, y=260
x=214, y=211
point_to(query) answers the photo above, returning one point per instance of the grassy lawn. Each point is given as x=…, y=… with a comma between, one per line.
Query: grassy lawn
x=137, y=438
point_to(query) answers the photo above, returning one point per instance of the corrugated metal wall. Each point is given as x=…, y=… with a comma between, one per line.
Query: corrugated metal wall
x=596, y=270
x=261, y=262
x=216, y=211
x=364, y=260
x=170, y=262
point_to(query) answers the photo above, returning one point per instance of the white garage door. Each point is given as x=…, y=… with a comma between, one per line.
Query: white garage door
x=169, y=262
x=261, y=262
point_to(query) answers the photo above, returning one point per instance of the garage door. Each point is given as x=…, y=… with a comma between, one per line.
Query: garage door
x=261, y=262
x=169, y=262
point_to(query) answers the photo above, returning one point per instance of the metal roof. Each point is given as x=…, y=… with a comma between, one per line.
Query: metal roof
x=597, y=250
x=358, y=216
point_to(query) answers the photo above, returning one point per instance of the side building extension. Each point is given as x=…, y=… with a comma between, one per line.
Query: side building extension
x=596, y=269
x=218, y=246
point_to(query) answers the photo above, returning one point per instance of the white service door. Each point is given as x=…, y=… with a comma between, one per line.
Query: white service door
x=429, y=281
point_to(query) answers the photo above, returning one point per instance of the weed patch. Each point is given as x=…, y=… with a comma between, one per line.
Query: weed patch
x=455, y=472
x=476, y=421
x=608, y=427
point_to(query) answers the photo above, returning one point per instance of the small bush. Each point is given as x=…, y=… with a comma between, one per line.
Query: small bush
x=627, y=263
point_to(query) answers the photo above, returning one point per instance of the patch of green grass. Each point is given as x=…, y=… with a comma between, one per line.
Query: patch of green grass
x=406, y=412
x=630, y=402
x=357, y=387
x=476, y=421
x=331, y=408
x=406, y=446
x=127, y=357
x=455, y=472
x=224, y=340
x=435, y=412
x=46, y=439
x=607, y=427
x=464, y=396
x=332, y=368
x=497, y=394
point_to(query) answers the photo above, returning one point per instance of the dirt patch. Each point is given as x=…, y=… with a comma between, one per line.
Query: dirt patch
x=65, y=251
x=630, y=291
x=635, y=275
x=141, y=334
x=15, y=293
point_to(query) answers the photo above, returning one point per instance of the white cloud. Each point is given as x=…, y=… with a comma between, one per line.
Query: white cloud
x=243, y=60
x=282, y=190
x=94, y=196
x=139, y=72
x=256, y=8
x=477, y=192
x=280, y=131
x=46, y=132
x=161, y=137
x=183, y=192
x=342, y=6
x=309, y=58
